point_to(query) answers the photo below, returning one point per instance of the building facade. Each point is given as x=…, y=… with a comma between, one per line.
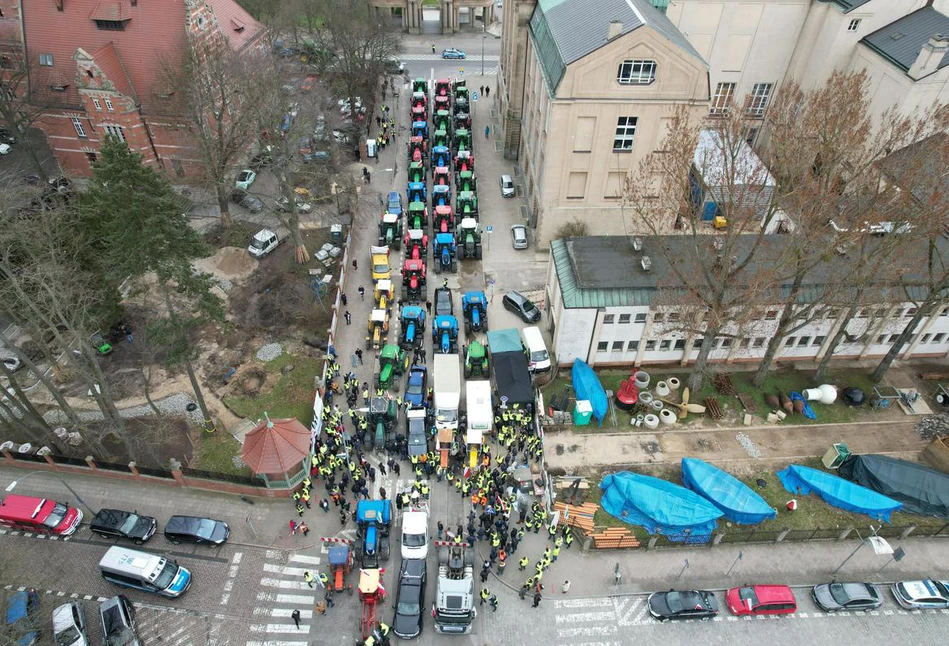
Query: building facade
x=454, y=15
x=102, y=68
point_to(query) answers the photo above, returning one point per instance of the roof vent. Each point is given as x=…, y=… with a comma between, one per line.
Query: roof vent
x=896, y=35
x=615, y=29
x=637, y=244
x=646, y=264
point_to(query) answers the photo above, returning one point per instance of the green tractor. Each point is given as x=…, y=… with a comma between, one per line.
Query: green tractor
x=465, y=180
x=476, y=360
x=418, y=216
x=440, y=138
x=462, y=140
x=442, y=120
x=383, y=415
x=416, y=171
x=393, y=363
x=420, y=85
x=390, y=230
x=466, y=204
x=468, y=239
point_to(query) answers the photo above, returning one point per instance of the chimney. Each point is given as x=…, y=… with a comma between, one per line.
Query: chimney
x=615, y=29
x=929, y=57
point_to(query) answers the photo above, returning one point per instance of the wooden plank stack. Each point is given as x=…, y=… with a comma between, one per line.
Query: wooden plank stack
x=579, y=516
x=615, y=538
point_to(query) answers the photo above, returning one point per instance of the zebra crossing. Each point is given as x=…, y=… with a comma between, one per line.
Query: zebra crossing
x=598, y=620
x=437, y=57
x=282, y=590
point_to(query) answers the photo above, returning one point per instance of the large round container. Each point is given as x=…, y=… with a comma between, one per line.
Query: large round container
x=650, y=421
x=674, y=383
x=641, y=379
x=662, y=389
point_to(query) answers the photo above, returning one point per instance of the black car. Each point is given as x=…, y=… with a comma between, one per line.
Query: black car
x=416, y=433
x=123, y=524
x=521, y=306
x=191, y=529
x=831, y=597
x=443, y=302
x=682, y=604
x=250, y=202
x=410, y=599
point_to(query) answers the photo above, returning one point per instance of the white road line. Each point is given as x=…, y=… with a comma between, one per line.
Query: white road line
x=296, y=599
x=587, y=631
x=278, y=643
x=583, y=603
x=280, y=628
x=225, y=598
x=279, y=583
x=586, y=616
x=236, y=559
x=285, y=570
x=229, y=585
x=282, y=612
x=300, y=558
x=275, y=554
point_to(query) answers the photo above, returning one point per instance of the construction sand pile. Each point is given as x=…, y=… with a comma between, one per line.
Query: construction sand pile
x=229, y=263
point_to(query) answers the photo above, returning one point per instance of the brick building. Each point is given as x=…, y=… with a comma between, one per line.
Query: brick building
x=100, y=67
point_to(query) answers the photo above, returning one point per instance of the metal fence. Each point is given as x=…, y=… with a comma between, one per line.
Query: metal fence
x=753, y=535
x=155, y=473
x=76, y=462
x=113, y=466
x=30, y=457
x=225, y=477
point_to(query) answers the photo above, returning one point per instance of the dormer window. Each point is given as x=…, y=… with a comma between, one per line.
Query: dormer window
x=636, y=72
x=111, y=25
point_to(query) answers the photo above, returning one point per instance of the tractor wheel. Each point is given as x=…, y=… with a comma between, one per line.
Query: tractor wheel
x=478, y=252
x=467, y=327
x=438, y=267
x=461, y=253
x=454, y=266
x=368, y=344
x=467, y=372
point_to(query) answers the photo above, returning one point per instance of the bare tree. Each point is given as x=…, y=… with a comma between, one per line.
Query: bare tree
x=22, y=89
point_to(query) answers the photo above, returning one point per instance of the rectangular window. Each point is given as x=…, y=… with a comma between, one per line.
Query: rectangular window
x=803, y=341
x=77, y=124
x=697, y=343
x=91, y=158
x=96, y=103
x=770, y=315
x=759, y=342
x=576, y=186
x=46, y=60
x=659, y=317
x=636, y=72
x=926, y=338
x=116, y=131
x=632, y=346
x=665, y=344
x=608, y=319
x=110, y=25
x=881, y=339
x=853, y=25
x=615, y=184
x=910, y=312
x=751, y=135
x=939, y=337
x=625, y=130
x=894, y=337
x=108, y=105
x=617, y=346
x=680, y=344
x=758, y=100
x=722, y=99
x=602, y=346
x=641, y=317
x=727, y=342
x=623, y=318
x=818, y=340
x=788, y=342
x=650, y=345
x=862, y=314
x=673, y=317
x=583, y=140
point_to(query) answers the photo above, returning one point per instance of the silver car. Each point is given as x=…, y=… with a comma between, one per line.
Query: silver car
x=69, y=625
x=507, y=186
x=519, y=236
x=914, y=595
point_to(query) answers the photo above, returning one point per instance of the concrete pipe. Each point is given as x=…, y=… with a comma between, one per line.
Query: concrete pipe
x=650, y=421
x=828, y=394
x=673, y=383
x=666, y=416
x=645, y=397
x=662, y=389
x=812, y=394
x=656, y=405
x=641, y=380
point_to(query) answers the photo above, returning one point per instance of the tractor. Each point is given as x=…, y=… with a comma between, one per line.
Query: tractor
x=444, y=221
x=440, y=156
x=412, y=335
x=461, y=107
x=417, y=191
x=378, y=329
x=445, y=253
x=464, y=161
x=418, y=149
x=441, y=103
x=418, y=216
x=441, y=196
x=413, y=280
x=474, y=310
x=466, y=204
x=442, y=87
x=416, y=244
x=468, y=239
x=442, y=120
x=462, y=119
x=416, y=172
x=445, y=334
x=383, y=294
x=419, y=105
x=461, y=90
x=441, y=176
x=476, y=360
x=465, y=180
x=420, y=129
x=440, y=138
x=420, y=85
x=461, y=141
x=393, y=363
x=379, y=257
x=383, y=415
x=390, y=230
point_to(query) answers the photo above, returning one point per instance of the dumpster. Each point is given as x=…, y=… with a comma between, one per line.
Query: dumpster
x=836, y=455
x=583, y=412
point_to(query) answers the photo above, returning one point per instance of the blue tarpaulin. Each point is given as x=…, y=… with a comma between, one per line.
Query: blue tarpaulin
x=587, y=386
x=738, y=501
x=660, y=506
x=838, y=492
x=504, y=341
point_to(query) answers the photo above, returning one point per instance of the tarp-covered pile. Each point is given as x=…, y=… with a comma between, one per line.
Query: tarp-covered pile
x=838, y=492
x=922, y=490
x=587, y=386
x=511, y=374
x=660, y=506
x=737, y=500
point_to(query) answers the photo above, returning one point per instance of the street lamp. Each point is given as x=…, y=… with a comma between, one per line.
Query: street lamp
x=12, y=486
x=484, y=37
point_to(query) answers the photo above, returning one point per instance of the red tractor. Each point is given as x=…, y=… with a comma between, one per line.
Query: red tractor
x=444, y=219
x=464, y=161
x=416, y=244
x=413, y=279
x=442, y=88
x=419, y=105
x=441, y=177
x=418, y=149
x=441, y=103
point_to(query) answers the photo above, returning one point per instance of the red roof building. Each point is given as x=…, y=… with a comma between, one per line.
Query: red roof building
x=102, y=68
x=277, y=447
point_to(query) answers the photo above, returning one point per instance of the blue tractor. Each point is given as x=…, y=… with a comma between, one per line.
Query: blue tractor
x=441, y=195
x=373, y=521
x=441, y=156
x=417, y=192
x=412, y=319
x=474, y=309
x=445, y=253
x=420, y=129
x=445, y=334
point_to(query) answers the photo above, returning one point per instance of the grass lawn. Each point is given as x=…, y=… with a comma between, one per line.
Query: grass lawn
x=291, y=396
x=216, y=452
x=239, y=235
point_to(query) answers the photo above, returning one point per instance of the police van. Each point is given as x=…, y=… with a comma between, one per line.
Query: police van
x=144, y=571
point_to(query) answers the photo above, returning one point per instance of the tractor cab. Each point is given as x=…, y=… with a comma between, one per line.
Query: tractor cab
x=461, y=107
x=416, y=172
x=441, y=176
x=420, y=85
x=440, y=156
x=418, y=215
x=416, y=244
x=379, y=257
x=461, y=90
x=419, y=100
x=390, y=230
x=440, y=138
x=445, y=334
x=462, y=119
x=444, y=218
x=378, y=328
x=418, y=113
x=420, y=129
x=383, y=415
x=442, y=120
x=464, y=161
x=462, y=140
x=441, y=196
x=442, y=87
x=418, y=148
x=417, y=192
x=467, y=204
x=393, y=363
x=476, y=360
x=383, y=293
x=412, y=319
x=445, y=253
x=465, y=180
x=413, y=280
x=474, y=309
x=469, y=239
x=441, y=103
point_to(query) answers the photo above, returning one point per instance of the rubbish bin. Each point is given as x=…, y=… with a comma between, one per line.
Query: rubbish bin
x=371, y=148
x=836, y=455
x=582, y=412
x=336, y=233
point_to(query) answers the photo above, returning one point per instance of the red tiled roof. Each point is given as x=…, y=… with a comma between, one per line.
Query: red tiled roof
x=118, y=10
x=108, y=60
x=231, y=17
x=276, y=446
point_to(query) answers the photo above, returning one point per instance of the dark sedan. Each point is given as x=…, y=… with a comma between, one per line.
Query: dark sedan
x=682, y=604
x=410, y=599
x=191, y=529
x=115, y=523
x=831, y=597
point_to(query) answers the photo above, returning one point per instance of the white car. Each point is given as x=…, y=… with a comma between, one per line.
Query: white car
x=345, y=109
x=302, y=207
x=519, y=236
x=69, y=625
x=263, y=243
x=927, y=594
x=414, y=535
x=507, y=186
x=245, y=178
x=5, y=149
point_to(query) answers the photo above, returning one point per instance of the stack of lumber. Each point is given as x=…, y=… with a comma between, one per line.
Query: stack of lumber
x=614, y=538
x=579, y=516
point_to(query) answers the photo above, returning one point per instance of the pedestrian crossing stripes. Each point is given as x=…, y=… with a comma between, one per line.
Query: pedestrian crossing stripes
x=437, y=57
x=282, y=590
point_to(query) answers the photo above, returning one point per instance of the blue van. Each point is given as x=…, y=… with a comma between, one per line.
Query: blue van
x=144, y=571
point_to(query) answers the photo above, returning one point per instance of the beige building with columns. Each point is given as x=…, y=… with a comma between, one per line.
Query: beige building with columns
x=410, y=12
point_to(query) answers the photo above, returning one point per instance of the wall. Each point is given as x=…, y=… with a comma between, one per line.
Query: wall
x=513, y=61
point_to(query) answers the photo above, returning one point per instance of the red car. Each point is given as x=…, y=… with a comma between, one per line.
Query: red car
x=308, y=83
x=761, y=600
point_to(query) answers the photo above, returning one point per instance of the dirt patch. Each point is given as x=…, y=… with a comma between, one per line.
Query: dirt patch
x=228, y=263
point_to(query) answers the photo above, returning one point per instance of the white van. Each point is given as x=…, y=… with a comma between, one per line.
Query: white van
x=415, y=535
x=537, y=358
x=144, y=571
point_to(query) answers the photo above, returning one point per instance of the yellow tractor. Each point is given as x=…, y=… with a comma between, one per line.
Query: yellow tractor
x=378, y=329
x=383, y=294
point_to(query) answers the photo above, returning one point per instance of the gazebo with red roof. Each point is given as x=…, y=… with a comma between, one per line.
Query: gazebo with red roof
x=277, y=451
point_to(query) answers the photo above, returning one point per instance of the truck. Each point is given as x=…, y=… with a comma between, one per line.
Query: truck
x=480, y=417
x=454, y=611
x=447, y=386
x=373, y=521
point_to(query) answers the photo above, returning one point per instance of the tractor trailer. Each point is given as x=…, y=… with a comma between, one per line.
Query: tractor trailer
x=447, y=374
x=480, y=417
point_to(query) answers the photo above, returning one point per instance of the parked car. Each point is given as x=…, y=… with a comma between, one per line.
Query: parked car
x=416, y=432
x=5, y=149
x=322, y=155
x=761, y=600
x=263, y=242
x=6, y=136
x=285, y=124
x=261, y=159
x=19, y=625
x=683, y=604
x=443, y=302
x=306, y=150
x=453, y=53
x=395, y=66
x=118, y=622
x=293, y=110
x=250, y=202
x=115, y=523
x=192, y=529
x=244, y=179
x=409, y=600
x=519, y=236
x=283, y=205
x=11, y=363
x=308, y=83
x=522, y=306
x=415, y=385
x=831, y=597
x=344, y=106
x=319, y=130
x=507, y=186
x=69, y=625
x=394, y=203
x=926, y=594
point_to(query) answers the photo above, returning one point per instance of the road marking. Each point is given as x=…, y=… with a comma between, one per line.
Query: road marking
x=587, y=631
x=236, y=559
x=279, y=628
x=586, y=616
x=583, y=603
x=284, y=569
x=275, y=554
x=286, y=598
x=300, y=558
x=229, y=585
x=225, y=598
x=279, y=583
x=278, y=643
